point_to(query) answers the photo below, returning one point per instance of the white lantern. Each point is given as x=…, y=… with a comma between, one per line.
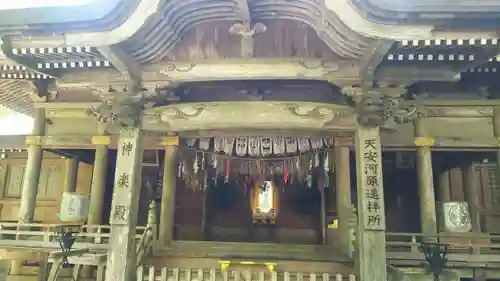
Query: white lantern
x=74, y=207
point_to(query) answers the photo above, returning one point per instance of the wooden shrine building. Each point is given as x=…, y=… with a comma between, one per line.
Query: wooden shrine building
x=290, y=140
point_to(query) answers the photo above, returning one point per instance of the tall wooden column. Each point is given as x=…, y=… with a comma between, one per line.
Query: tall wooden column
x=371, y=256
x=444, y=186
x=98, y=176
x=425, y=179
x=165, y=235
x=98, y=186
x=31, y=177
x=472, y=197
x=343, y=195
x=121, y=262
x=32, y=172
x=71, y=174
x=496, y=132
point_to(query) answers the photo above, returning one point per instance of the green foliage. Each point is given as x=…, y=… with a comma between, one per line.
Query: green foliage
x=3, y=111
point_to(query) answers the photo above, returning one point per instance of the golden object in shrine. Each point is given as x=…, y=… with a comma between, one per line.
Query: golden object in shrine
x=236, y=265
x=264, y=201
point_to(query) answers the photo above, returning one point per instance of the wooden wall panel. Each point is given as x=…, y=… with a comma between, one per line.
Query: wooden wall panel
x=486, y=178
x=283, y=39
x=462, y=128
x=72, y=126
x=289, y=38
x=14, y=181
x=403, y=136
x=50, y=187
x=84, y=178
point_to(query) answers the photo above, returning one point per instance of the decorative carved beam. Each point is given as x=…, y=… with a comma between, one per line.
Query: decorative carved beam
x=372, y=60
x=123, y=63
x=245, y=30
x=342, y=72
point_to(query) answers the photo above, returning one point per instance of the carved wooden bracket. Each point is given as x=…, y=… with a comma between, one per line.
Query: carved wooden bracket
x=125, y=112
x=384, y=111
x=382, y=106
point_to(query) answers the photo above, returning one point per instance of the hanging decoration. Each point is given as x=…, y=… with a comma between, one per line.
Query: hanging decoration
x=263, y=146
x=262, y=165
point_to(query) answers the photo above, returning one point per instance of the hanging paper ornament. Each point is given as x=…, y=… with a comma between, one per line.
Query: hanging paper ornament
x=254, y=146
x=202, y=163
x=266, y=147
x=278, y=145
x=214, y=161
x=218, y=144
x=205, y=181
x=191, y=142
x=241, y=146
x=228, y=170
x=326, y=162
x=228, y=145
x=180, y=169
x=204, y=143
x=303, y=144
x=291, y=144
x=195, y=164
x=316, y=143
x=328, y=142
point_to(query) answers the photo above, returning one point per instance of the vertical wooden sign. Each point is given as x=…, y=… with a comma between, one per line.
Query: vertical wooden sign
x=369, y=177
x=127, y=176
x=370, y=240
x=121, y=264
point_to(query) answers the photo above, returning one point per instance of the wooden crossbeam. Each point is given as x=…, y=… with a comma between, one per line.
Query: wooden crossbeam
x=71, y=253
x=22, y=254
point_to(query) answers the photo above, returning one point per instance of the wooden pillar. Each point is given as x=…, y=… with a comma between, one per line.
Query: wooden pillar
x=98, y=185
x=472, y=197
x=71, y=174
x=496, y=132
x=425, y=179
x=444, y=186
x=98, y=176
x=165, y=235
x=121, y=262
x=32, y=172
x=371, y=258
x=343, y=196
x=31, y=177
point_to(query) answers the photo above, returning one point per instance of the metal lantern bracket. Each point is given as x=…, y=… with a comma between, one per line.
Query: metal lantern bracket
x=66, y=240
x=435, y=255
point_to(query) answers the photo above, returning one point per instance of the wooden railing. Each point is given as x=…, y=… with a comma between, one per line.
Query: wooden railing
x=459, y=243
x=97, y=234
x=150, y=273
